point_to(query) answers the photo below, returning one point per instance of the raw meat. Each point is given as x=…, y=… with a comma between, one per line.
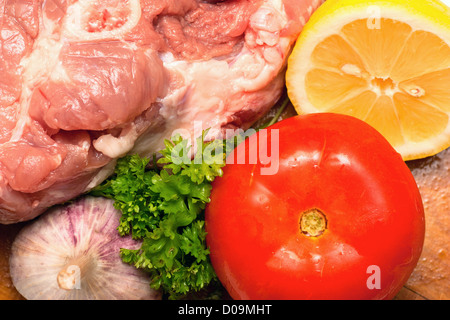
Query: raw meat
x=85, y=82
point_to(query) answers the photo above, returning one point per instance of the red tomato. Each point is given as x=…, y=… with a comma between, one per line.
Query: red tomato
x=341, y=219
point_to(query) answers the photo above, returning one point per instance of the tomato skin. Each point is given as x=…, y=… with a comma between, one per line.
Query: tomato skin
x=346, y=169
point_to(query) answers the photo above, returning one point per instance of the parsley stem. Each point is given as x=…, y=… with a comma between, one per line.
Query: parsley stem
x=279, y=112
x=277, y=115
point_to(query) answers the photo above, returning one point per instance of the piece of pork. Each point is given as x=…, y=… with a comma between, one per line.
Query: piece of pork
x=84, y=82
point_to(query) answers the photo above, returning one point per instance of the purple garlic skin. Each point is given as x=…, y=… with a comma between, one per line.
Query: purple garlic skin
x=72, y=252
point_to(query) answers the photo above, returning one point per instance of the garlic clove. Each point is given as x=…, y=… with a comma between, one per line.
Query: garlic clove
x=72, y=253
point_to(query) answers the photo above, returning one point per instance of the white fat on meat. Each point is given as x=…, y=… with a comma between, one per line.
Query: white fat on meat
x=207, y=86
x=75, y=23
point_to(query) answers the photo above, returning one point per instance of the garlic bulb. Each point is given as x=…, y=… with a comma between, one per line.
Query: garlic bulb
x=72, y=252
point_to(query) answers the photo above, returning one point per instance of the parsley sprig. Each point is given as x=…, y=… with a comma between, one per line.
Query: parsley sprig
x=164, y=207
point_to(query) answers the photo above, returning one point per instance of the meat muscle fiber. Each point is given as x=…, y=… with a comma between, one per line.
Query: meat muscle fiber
x=84, y=82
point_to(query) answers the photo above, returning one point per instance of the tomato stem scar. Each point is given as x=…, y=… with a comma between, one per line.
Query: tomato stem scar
x=313, y=223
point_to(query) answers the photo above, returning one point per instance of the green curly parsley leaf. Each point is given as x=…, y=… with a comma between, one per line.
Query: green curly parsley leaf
x=165, y=209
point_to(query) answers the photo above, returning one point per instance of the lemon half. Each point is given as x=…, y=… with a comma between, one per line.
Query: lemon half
x=384, y=62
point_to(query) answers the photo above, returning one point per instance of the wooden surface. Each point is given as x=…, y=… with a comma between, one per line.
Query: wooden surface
x=431, y=278
x=7, y=234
